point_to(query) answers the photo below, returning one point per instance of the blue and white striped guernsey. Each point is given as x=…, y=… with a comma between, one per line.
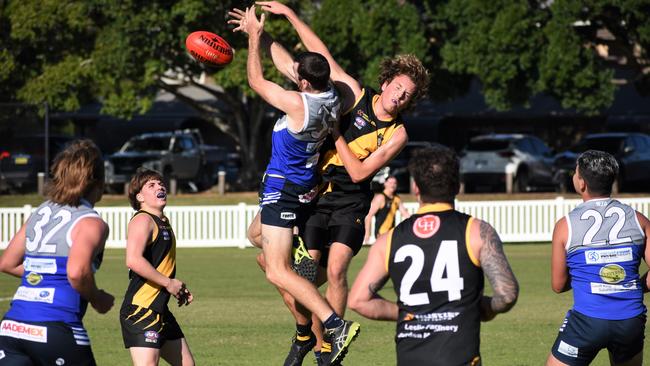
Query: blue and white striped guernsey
x=604, y=248
x=45, y=294
x=295, y=154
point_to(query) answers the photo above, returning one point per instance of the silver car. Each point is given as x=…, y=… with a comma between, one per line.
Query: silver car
x=516, y=162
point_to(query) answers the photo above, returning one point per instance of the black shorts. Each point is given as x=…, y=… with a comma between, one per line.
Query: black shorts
x=338, y=217
x=44, y=343
x=142, y=327
x=284, y=203
x=581, y=337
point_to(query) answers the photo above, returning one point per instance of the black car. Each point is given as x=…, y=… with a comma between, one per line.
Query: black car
x=23, y=157
x=631, y=150
x=398, y=167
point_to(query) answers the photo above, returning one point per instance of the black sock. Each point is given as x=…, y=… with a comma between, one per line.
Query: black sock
x=303, y=330
x=333, y=321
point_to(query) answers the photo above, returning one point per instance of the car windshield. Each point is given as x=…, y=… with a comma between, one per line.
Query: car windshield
x=488, y=145
x=611, y=145
x=147, y=144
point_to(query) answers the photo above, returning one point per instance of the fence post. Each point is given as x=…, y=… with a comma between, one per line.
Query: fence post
x=242, y=237
x=27, y=210
x=221, y=182
x=559, y=209
x=40, y=183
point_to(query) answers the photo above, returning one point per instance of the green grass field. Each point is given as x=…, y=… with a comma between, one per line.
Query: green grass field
x=239, y=319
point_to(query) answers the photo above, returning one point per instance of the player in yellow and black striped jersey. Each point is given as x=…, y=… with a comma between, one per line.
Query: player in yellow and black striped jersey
x=436, y=260
x=371, y=133
x=149, y=329
x=383, y=208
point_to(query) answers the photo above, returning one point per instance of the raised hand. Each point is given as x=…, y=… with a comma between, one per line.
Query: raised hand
x=274, y=7
x=253, y=25
x=239, y=19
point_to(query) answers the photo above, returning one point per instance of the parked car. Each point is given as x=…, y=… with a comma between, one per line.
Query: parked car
x=23, y=157
x=488, y=160
x=631, y=150
x=181, y=155
x=398, y=167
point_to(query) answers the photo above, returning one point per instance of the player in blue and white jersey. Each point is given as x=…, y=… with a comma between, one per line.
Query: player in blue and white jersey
x=597, y=249
x=56, y=253
x=291, y=179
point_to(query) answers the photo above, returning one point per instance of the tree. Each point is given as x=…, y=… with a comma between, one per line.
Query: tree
x=72, y=52
x=520, y=48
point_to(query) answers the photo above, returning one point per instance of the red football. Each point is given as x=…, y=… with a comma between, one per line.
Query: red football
x=209, y=48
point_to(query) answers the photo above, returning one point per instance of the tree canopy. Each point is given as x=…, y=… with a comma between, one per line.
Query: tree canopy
x=72, y=52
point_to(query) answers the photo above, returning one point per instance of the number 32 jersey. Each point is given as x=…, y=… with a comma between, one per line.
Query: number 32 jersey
x=605, y=245
x=45, y=294
x=438, y=285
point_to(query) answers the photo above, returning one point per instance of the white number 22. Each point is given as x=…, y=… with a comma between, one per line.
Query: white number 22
x=447, y=258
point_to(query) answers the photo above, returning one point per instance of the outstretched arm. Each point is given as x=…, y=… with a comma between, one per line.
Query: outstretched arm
x=347, y=85
x=282, y=59
x=375, y=205
x=485, y=242
x=364, y=296
x=359, y=170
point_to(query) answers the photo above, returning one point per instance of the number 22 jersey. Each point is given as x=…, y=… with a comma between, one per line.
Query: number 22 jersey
x=438, y=285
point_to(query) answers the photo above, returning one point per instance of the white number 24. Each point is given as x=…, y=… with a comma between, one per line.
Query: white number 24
x=447, y=258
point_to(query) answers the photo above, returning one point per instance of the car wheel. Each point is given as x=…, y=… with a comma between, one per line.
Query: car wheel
x=521, y=183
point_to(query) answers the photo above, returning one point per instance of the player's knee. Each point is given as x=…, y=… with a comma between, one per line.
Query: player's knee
x=337, y=276
x=275, y=276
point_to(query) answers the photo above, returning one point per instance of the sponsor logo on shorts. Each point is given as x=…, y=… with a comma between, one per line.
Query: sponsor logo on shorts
x=608, y=256
x=34, y=278
x=59, y=361
x=287, y=215
x=270, y=197
x=359, y=123
x=24, y=331
x=424, y=227
x=612, y=273
x=2, y=354
x=567, y=349
x=40, y=265
x=151, y=336
x=35, y=294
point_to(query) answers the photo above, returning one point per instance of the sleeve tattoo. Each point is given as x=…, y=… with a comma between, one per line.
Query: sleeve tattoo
x=497, y=269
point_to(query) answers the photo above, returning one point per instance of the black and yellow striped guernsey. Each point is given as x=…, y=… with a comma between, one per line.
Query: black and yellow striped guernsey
x=364, y=133
x=161, y=253
x=385, y=216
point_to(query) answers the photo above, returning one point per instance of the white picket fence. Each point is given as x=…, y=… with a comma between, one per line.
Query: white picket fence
x=225, y=226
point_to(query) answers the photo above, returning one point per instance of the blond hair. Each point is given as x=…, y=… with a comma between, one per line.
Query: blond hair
x=76, y=171
x=410, y=66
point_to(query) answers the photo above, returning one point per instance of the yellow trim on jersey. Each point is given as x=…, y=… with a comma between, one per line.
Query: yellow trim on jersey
x=356, y=101
x=435, y=207
x=389, y=243
x=144, y=316
x=303, y=338
x=153, y=322
x=469, y=247
x=326, y=347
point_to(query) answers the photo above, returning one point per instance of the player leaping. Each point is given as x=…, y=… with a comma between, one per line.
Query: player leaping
x=371, y=134
x=290, y=179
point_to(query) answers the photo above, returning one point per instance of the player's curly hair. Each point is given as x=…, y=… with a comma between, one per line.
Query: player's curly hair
x=77, y=171
x=139, y=179
x=435, y=171
x=409, y=65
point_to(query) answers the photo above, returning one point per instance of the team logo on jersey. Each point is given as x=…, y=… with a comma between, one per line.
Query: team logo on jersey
x=34, y=278
x=425, y=226
x=359, y=123
x=608, y=256
x=287, y=215
x=41, y=265
x=612, y=273
x=165, y=235
x=151, y=336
